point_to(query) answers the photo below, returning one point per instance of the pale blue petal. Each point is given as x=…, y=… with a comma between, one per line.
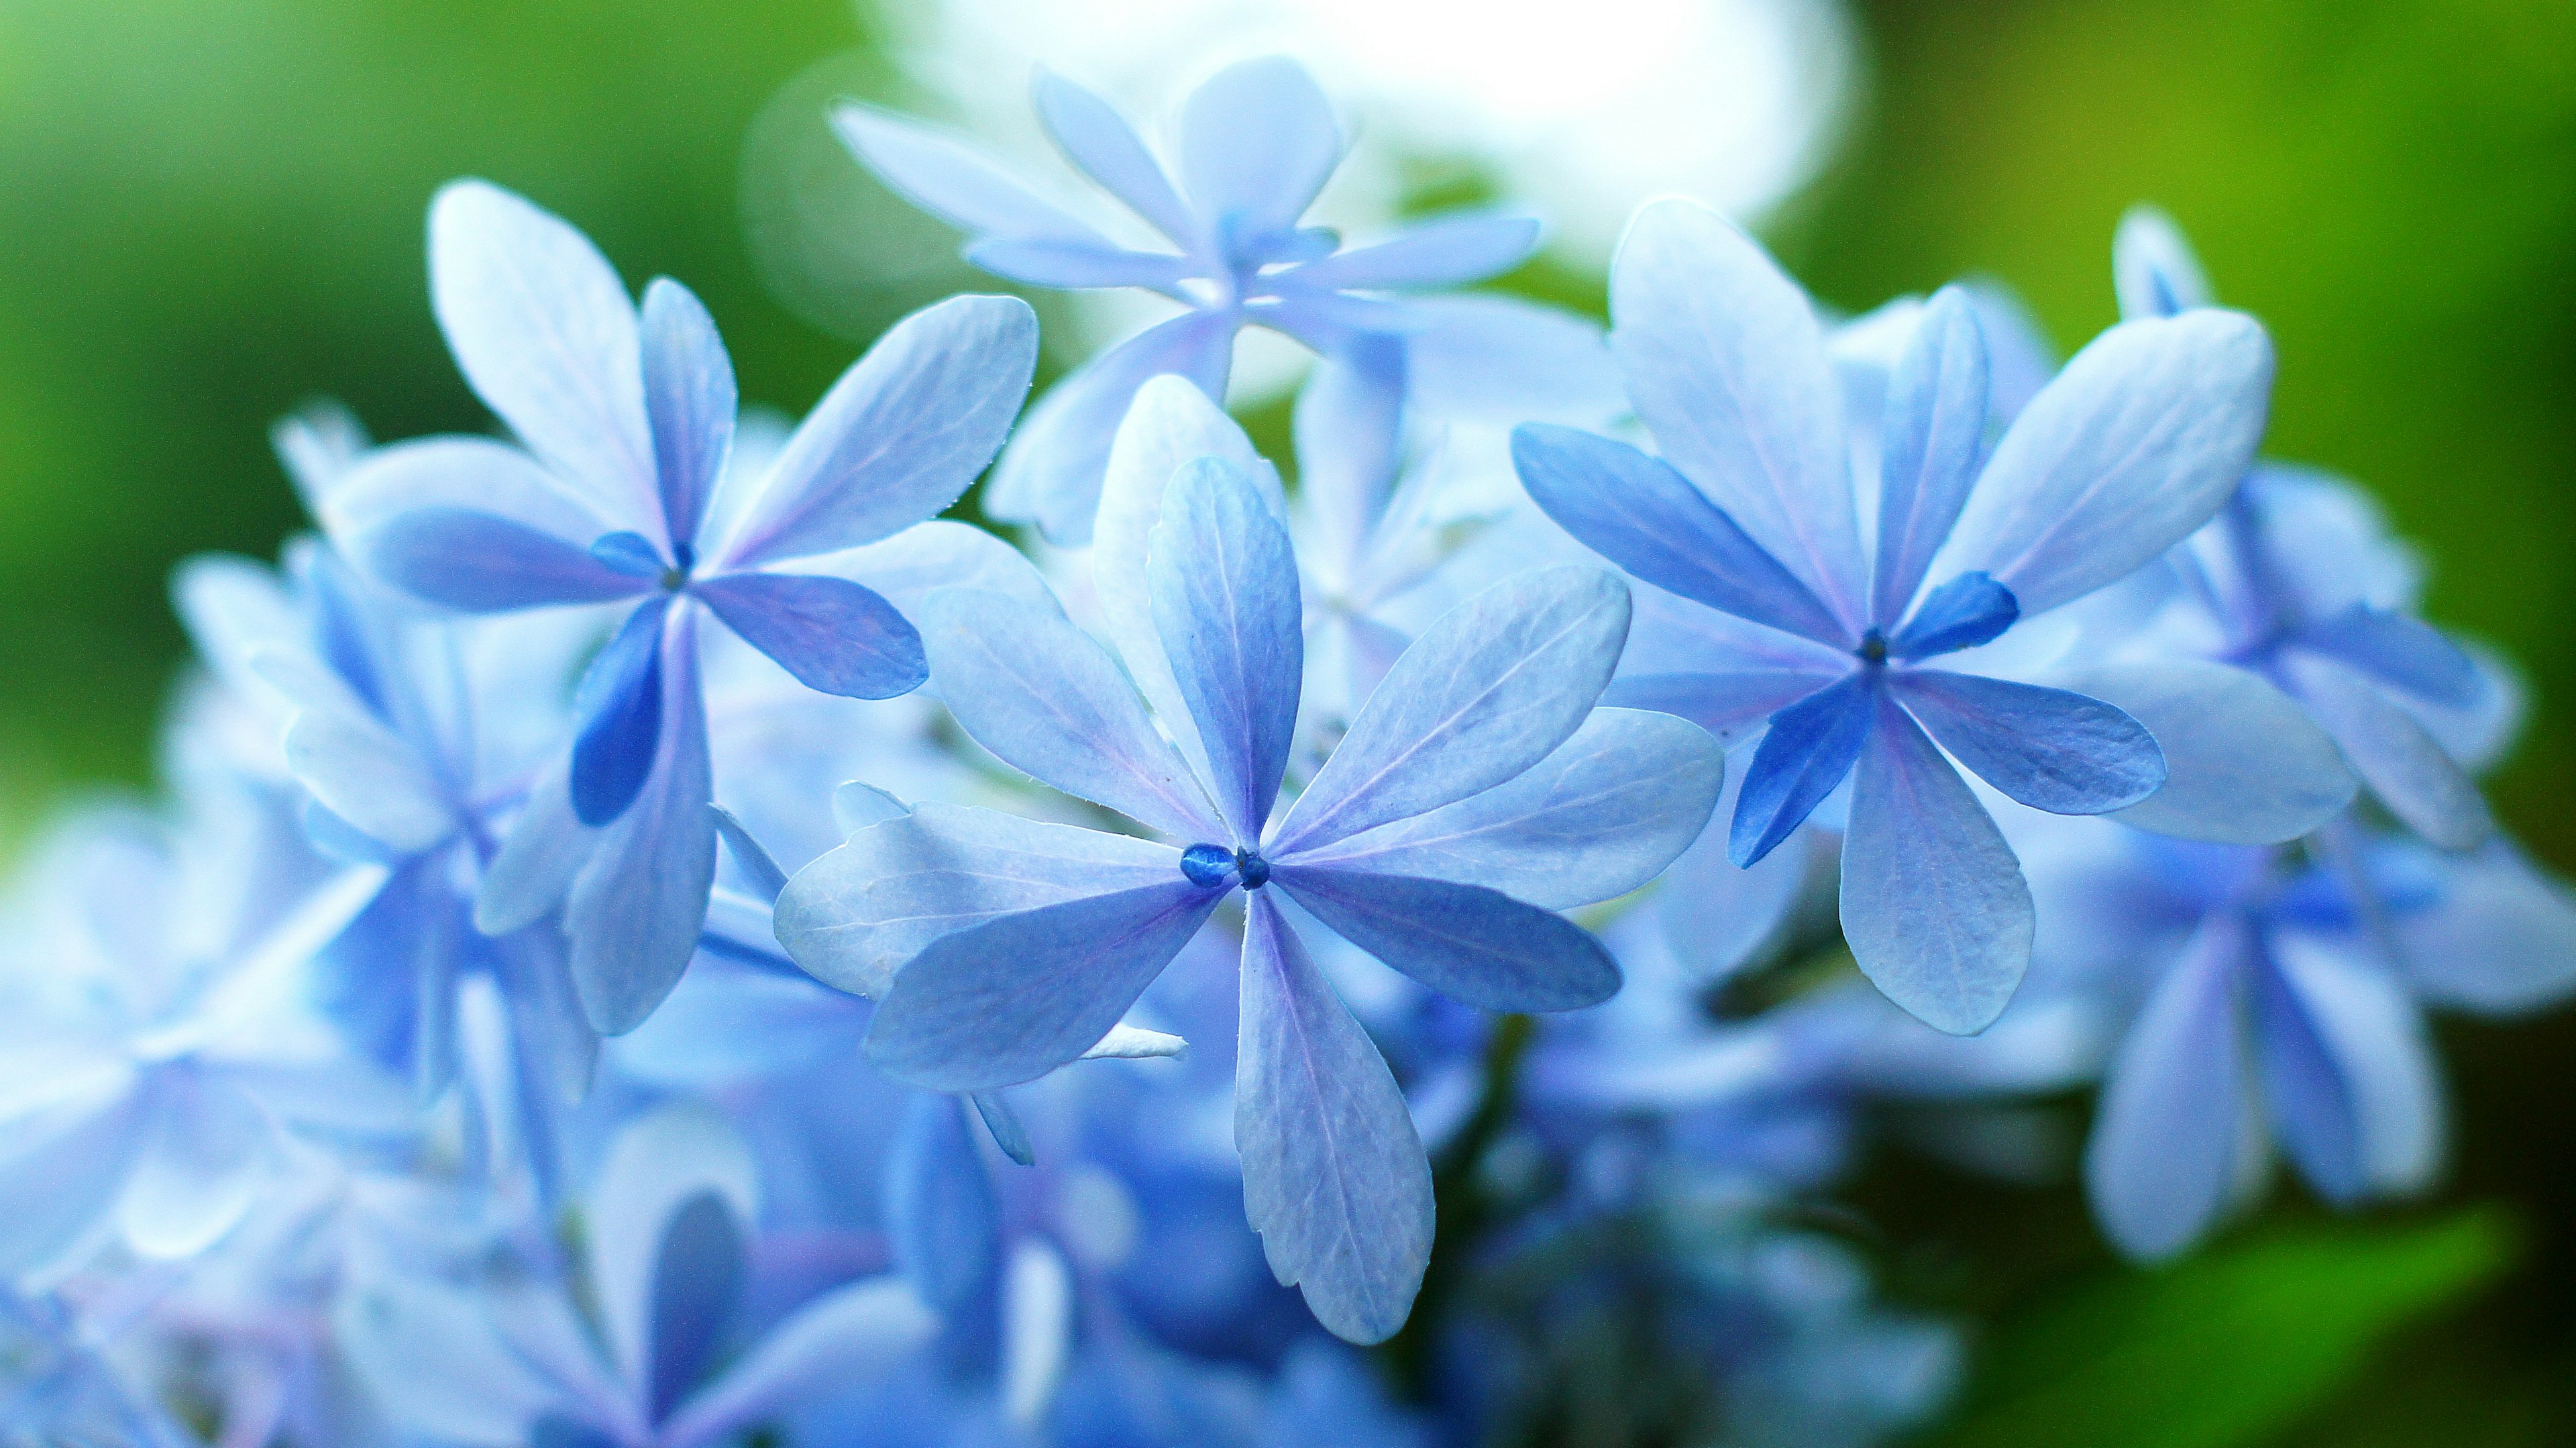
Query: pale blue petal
x=940, y=1213
x=1223, y=582
x=2303, y=1089
x=2019, y=355
x=1334, y=1177
x=1596, y=819
x=58, y=1192
x=1969, y=610
x=1491, y=688
x=1257, y=141
x=207, y=1151
x=2402, y=763
x=2501, y=940
x=1472, y=944
x=1172, y=423
x=811, y=1354
x=1051, y=472
x=1349, y=425
x=631, y=554
x=2153, y=268
x=1444, y=251
x=899, y=436
x=689, y=397
x=620, y=706
x=832, y=634
x=2375, y=1035
x=1804, y=756
x=2138, y=442
x=636, y=907
x=1935, y=439
x=2244, y=765
x=1716, y=917
x=1048, y=700
x=1008, y=1132
x=434, y=1363
x=1726, y=705
x=756, y=863
x=543, y=329
x=485, y=563
x=1079, y=264
x=367, y=777
x=2047, y=748
x=1015, y=997
x=2162, y=1157
x=1933, y=903
x=538, y=861
x=2401, y=651
x=1094, y=138
x=1498, y=361
x=697, y=1279
x=855, y=915
x=318, y=444
x=949, y=177
x=1727, y=368
x=725, y=1025
x=1640, y=514
x=904, y=569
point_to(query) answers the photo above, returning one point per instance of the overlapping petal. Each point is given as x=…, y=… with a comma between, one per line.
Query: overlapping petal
x=1472, y=944
x=1223, y=583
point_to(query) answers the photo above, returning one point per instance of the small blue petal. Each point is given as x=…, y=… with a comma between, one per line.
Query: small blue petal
x=1210, y=867
x=1969, y=610
x=630, y=553
x=620, y=703
x=1808, y=750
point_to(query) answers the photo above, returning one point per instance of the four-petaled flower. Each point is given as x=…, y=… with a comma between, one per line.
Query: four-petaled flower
x=1255, y=144
x=1474, y=795
x=1753, y=510
x=624, y=494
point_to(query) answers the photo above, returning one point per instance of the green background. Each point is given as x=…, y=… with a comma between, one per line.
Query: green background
x=210, y=210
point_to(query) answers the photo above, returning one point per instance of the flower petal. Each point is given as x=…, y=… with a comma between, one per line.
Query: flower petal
x=815, y=1351
x=1491, y=688
x=2163, y=1154
x=654, y=1167
x=1015, y=997
x=1497, y=361
x=2138, y=442
x=948, y=176
x=832, y=634
x=899, y=436
x=1223, y=581
x=485, y=563
x=939, y=1209
x=635, y=910
x=1727, y=367
x=2402, y=763
x=1637, y=512
x=697, y=1275
x=1727, y=705
x=689, y=398
x=1596, y=819
x=853, y=917
x=2373, y=1034
x=1078, y=264
x=1475, y=945
x=363, y=773
x=905, y=568
x=543, y=329
x=1443, y=251
x=2047, y=748
x=1933, y=903
x=1095, y=138
x=2153, y=267
x=2399, y=650
x=1049, y=701
x=543, y=854
x=207, y=1151
x=2244, y=765
x=2499, y=941
x=1935, y=440
x=1804, y=756
x=1257, y=141
x=1969, y=610
x=1051, y=473
x=1334, y=1177
x=620, y=705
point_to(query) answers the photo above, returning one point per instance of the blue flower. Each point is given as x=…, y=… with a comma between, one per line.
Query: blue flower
x=1474, y=795
x=1254, y=146
x=628, y=419
x=1753, y=511
x=2275, y=1012
x=2297, y=574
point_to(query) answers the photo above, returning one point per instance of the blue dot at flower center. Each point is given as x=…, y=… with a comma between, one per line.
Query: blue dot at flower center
x=1214, y=867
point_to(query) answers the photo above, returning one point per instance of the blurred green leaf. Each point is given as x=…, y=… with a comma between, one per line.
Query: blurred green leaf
x=2225, y=1349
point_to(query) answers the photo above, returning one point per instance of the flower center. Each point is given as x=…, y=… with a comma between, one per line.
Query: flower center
x=1214, y=867
x=1873, y=648
x=676, y=577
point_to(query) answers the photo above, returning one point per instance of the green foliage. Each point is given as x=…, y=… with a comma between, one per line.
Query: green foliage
x=2225, y=1349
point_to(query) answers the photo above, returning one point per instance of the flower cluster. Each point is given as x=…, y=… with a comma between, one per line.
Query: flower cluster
x=656, y=939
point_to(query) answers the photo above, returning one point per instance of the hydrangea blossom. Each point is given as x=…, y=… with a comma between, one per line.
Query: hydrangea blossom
x=1012, y=947
x=1753, y=512
x=1253, y=147
x=627, y=420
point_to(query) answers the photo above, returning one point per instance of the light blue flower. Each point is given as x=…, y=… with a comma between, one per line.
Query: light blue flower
x=658, y=1346
x=628, y=419
x=56, y=1388
x=2277, y=1014
x=1474, y=795
x=1252, y=148
x=2306, y=588
x=1754, y=512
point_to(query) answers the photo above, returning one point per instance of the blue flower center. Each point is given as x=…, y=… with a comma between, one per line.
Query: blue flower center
x=1873, y=648
x=1214, y=867
x=676, y=577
